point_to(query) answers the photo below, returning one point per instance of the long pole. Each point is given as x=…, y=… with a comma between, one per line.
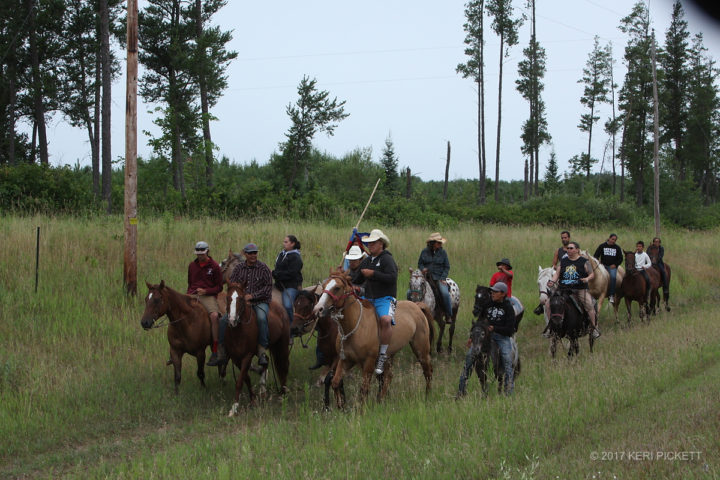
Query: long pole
x=37, y=258
x=130, y=217
x=656, y=202
x=367, y=204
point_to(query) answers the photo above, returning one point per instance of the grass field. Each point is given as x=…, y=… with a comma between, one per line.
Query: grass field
x=85, y=393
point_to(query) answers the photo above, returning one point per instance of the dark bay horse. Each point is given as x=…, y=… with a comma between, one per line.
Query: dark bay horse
x=306, y=322
x=483, y=349
x=634, y=287
x=357, y=341
x=567, y=320
x=653, y=253
x=422, y=291
x=188, y=328
x=241, y=340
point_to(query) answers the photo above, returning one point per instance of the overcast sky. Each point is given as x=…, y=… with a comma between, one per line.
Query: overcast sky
x=394, y=62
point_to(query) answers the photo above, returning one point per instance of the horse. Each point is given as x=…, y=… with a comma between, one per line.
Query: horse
x=653, y=253
x=599, y=286
x=241, y=340
x=188, y=326
x=567, y=319
x=422, y=291
x=304, y=322
x=634, y=287
x=483, y=349
x=357, y=341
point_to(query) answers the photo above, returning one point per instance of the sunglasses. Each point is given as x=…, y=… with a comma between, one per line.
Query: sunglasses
x=251, y=253
x=571, y=248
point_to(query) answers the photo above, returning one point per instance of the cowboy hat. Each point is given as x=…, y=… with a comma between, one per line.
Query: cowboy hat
x=376, y=235
x=355, y=253
x=436, y=237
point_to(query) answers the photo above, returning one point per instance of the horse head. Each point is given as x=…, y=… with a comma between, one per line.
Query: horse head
x=558, y=301
x=335, y=291
x=303, y=318
x=480, y=335
x=629, y=261
x=418, y=285
x=228, y=264
x=482, y=299
x=237, y=307
x=156, y=305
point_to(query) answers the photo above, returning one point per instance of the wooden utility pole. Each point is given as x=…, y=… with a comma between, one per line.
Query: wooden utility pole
x=447, y=172
x=656, y=140
x=131, y=220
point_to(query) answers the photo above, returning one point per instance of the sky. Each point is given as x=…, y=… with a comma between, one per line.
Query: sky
x=393, y=63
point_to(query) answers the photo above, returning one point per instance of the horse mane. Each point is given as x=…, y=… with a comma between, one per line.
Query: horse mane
x=184, y=302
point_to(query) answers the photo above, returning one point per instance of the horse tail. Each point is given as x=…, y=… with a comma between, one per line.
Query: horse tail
x=429, y=318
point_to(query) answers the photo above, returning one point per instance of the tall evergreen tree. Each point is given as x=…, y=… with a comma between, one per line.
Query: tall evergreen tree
x=702, y=140
x=674, y=101
x=636, y=98
x=474, y=68
x=552, y=179
x=506, y=27
x=389, y=161
x=313, y=113
x=597, y=82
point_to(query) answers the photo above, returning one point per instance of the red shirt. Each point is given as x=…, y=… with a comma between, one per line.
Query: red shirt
x=503, y=277
x=207, y=275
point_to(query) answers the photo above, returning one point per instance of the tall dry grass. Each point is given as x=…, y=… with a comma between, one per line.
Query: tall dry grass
x=84, y=391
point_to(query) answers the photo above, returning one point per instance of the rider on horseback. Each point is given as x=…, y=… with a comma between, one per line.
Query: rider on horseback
x=575, y=272
x=435, y=265
x=205, y=280
x=642, y=265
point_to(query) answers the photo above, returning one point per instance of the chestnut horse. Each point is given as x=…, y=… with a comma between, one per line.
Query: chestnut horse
x=653, y=253
x=241, y=340
x=227, y=266
x=634, y=287
x=188, y=327
x=421, y=291
x=357, y=341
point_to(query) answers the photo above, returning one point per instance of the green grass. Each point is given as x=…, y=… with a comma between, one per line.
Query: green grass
x=84, y=391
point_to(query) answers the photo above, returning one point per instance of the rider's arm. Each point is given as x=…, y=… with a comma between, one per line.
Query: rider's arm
x=588, y=268
x=555, y=259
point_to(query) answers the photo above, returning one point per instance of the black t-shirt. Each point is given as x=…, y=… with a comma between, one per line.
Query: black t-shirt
x=572, y=272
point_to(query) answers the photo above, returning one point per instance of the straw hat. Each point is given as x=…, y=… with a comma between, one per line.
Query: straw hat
x=436, y=237
x=377, y=235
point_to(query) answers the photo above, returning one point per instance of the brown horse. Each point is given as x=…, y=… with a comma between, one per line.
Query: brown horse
x=634, y=286
x=653, y=253
x=306, y=322
x=241, y=339
x=357, y=341
x=188, y=327
x=227, y=265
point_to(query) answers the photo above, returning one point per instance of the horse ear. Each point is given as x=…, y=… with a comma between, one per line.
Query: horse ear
x=540, y=269
x=148, y=285
x=162, y=284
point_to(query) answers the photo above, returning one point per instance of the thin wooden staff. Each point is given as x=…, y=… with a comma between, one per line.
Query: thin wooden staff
x=367, y=204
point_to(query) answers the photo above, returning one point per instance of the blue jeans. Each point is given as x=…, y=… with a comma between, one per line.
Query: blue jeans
x=505, y=347
x=613, y=278
x=288, y=297
x=261, y=311
x=445, y=294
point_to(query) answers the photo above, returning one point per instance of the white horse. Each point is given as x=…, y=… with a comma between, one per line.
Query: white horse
x=420, y=291
x=544, y=274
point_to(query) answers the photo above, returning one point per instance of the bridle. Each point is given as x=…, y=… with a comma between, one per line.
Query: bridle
x=337, y=315
x=240, y=309
x=167, y=321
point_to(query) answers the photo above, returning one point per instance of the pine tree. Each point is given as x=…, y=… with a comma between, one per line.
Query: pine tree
x=552, y=179
x=390, y=165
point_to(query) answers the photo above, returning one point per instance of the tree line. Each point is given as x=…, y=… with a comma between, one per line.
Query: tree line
x=57, y=59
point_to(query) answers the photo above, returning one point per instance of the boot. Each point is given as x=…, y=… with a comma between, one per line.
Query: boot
x=539, y=309
x=380, y=366
x=262, y=357
x=213, y=362
x=319, y=360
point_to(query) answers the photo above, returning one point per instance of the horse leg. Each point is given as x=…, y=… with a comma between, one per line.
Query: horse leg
x=421, y=349
x=553, y=345
x=326, y=395
x=481, y=366
x=176, y=359
x=452, y=330
x=466, y=373
x=200, y=357
x=628, y=304
x=385, y=380
x=666, y=297
x=441, y=326
x=336, y=382
x=367, y=373
x=281, y=360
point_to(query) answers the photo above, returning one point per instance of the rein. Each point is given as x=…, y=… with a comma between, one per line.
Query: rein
x=167, y=323
x=305, y=324
x=336, y=317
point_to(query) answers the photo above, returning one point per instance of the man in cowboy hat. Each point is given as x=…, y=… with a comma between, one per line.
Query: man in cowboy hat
x=435, y=265
x=381, y=273
x=205, y=280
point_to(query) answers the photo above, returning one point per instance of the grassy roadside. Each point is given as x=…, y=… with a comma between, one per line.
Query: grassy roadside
x=83, y=391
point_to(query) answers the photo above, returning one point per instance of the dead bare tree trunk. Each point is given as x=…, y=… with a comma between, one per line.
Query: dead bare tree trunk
x=408, y=183
x=447, y=172
x=656, y=141
x=106, y=104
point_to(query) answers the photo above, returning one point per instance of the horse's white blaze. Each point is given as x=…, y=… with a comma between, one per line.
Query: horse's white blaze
x=320, y=305
x=233, y=308
x=149, y=296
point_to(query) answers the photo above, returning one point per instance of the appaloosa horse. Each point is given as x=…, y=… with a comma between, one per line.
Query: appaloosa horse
x=357, y=341
x=634, y=287
x=422, y=291
x=483, y=349
x=188, y=327
x=568, y=319
x=241, y=340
